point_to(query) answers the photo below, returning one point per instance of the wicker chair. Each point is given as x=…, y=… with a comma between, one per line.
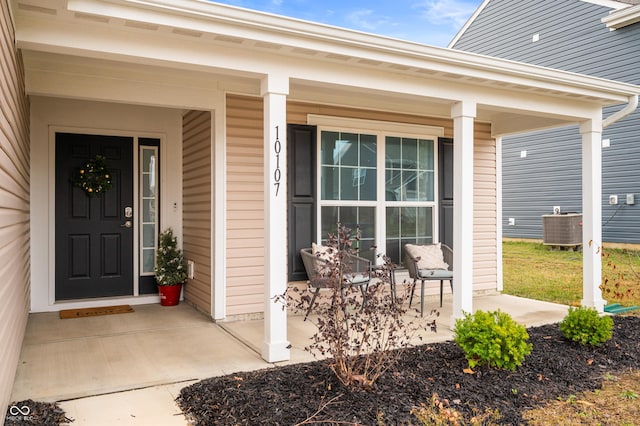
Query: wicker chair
x=317, y=267
x=428, y=274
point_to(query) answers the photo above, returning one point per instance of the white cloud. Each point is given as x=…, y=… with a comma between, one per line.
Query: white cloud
x=453, y=13
x=368, y=20
x=361, y=19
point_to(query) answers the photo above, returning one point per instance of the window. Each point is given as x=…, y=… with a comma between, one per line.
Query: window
x=409, y=193
x=407, y=225
x=351, y=216
x=349, y=185
x=380, y=176
x=148, y=208
x=409, y=169
x=348, y=166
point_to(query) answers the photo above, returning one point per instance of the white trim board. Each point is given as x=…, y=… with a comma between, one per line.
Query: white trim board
x=374, y=125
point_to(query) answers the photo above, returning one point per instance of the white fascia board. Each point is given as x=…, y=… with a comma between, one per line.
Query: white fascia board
x=103, y=42
x=199, y=15
x=613, y=4
x=518, y=125
x=467, y=24
x=499, y=97
x=513, y=72
x=369, y=46
x=208, y=17
x=622, y=18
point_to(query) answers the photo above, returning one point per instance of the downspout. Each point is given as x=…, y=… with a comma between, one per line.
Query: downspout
x=630, y=108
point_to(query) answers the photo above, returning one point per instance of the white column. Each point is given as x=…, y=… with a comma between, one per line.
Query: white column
x=275, y=89
x=592, y=214
x=463, y=114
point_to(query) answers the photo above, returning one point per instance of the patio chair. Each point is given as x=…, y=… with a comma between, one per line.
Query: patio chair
x=317, y=267
x=430, y=262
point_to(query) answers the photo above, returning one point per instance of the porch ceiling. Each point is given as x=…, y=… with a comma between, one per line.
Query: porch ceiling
x=162, y=85
x=183, y=53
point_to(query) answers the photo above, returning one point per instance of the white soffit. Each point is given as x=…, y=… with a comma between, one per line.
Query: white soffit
x=188, y=21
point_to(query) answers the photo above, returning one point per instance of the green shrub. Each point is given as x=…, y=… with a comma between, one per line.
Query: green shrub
x=585, y=326
x=493, y=339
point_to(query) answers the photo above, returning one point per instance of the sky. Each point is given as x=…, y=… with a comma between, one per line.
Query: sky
x=433, y=22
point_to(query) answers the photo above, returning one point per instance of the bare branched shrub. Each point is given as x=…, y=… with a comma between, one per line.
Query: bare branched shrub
x=617, y=284
x=623, y=286
x=363, y=334
x=440, y=412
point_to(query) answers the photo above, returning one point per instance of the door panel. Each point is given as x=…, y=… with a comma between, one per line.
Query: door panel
x=111, y=255
x=93, y=252
x=79, y=256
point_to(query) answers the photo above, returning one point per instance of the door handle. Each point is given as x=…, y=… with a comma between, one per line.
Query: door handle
x=126, y=224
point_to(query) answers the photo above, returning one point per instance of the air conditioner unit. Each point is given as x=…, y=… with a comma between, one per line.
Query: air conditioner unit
x=562, y=230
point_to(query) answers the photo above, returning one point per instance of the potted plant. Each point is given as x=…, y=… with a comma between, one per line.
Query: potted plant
x=171, y=270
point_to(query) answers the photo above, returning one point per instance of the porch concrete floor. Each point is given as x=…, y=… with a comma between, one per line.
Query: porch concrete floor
x=129, y=368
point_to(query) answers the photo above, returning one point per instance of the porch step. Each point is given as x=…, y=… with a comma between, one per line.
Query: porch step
x=616, y=308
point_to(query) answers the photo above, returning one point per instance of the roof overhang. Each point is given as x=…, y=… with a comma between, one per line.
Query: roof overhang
x=622, y=18
x=187, y=50
x=612, y=4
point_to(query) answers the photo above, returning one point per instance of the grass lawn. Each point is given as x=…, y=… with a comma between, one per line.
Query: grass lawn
x=535, y=271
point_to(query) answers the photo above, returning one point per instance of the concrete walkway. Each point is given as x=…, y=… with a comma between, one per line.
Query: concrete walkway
x=129, y=368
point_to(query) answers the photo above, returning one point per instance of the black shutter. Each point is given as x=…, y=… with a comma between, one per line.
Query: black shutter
x=445, y=166
x=301, y=194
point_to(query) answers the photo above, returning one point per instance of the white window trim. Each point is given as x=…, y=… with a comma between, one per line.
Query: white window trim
x=381, y=129
x=373, y=126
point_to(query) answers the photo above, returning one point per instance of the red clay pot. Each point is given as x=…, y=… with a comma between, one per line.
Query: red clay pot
x=169, y=294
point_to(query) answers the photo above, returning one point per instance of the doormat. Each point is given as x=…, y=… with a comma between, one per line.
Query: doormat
x=94, y=312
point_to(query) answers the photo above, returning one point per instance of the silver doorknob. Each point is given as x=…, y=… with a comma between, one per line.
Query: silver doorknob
x=127, y=224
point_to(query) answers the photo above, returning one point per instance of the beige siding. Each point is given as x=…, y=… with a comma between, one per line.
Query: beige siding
x=197, y=215
x=245, y=206
x=14, y=207
x=297, y=114
x=245, y=198
x=485, y=262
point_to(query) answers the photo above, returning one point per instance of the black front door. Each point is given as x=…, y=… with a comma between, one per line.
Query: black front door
x=93, y=242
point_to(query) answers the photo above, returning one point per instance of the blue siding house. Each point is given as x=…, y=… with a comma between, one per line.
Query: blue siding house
x=542, y=170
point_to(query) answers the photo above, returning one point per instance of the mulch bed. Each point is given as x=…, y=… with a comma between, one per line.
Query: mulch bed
x=291, y=394
x=30, y=413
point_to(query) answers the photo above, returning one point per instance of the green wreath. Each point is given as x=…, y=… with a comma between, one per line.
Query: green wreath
x=94, y=177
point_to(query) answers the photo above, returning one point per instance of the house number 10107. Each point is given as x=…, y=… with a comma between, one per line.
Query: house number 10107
x=277, y=174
